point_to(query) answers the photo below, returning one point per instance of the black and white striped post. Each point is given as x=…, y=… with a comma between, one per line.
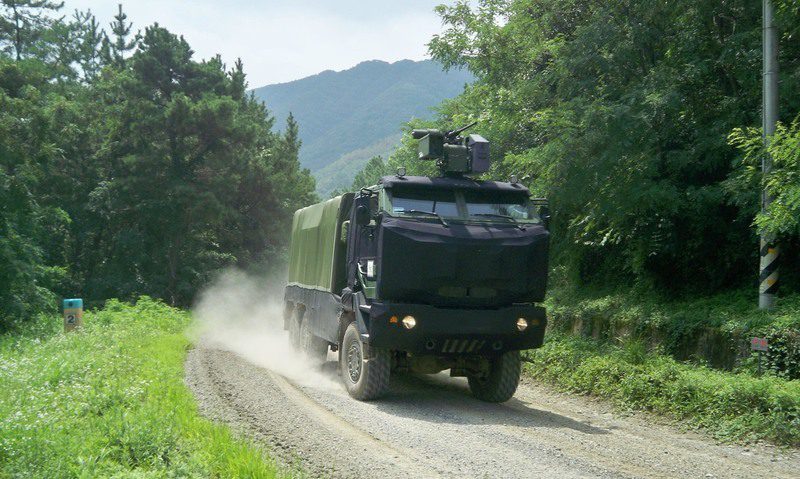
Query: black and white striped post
x=768, y=265
x=768, y=274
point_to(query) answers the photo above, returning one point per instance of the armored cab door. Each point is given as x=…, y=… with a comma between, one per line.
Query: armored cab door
x=362, y=244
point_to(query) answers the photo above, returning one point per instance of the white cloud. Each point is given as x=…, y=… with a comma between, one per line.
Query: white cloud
x=281, y=41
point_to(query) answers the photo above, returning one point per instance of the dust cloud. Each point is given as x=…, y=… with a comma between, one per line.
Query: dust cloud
x=243, y=314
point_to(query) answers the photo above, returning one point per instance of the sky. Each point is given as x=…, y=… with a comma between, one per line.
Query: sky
x=283, y=40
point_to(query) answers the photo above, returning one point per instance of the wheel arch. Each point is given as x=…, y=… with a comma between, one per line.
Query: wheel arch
x=345, y=318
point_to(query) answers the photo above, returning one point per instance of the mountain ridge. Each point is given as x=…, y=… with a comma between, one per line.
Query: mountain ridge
x=353, y=110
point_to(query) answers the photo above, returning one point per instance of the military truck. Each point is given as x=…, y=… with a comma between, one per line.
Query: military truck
x=422, y=274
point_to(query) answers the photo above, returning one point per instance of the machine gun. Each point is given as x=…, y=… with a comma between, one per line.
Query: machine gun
x=454, y=155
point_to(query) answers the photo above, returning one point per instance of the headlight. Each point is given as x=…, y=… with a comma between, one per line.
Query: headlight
x=522, y=324
x=409, y=322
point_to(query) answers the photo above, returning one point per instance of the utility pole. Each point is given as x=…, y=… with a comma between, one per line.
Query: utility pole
x=768, y=265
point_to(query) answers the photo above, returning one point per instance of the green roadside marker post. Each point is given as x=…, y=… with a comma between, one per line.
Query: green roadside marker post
x=73, y=314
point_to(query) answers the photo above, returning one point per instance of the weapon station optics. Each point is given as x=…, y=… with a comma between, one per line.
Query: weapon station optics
x=454, y=155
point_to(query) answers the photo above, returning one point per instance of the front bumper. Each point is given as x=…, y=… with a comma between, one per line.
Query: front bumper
x=444, y=331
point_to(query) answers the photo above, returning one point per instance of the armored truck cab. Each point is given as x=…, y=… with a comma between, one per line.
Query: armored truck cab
x=421, y=274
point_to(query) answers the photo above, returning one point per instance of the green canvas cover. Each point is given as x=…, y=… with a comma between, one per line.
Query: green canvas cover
x=315, y=249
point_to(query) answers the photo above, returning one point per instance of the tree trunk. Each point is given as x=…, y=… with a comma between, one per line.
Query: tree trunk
x=172, y=275
x=17, y=32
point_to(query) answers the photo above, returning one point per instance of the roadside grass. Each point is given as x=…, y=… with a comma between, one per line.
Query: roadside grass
x=730, y=406
x=109, y=401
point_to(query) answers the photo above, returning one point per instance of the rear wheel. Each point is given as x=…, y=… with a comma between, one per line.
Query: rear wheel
x=501, y=381
x=315, y=348
x=365, y=371
x=294, y=327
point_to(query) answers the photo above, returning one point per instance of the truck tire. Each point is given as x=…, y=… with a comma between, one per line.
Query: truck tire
x=294, y=327
x=364, y=379
x=501, y=382
x=316, y=349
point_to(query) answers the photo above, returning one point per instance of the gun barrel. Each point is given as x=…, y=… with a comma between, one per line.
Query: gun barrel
x=455, y=133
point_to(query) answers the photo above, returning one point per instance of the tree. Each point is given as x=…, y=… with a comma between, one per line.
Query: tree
x=373, y=171
x=31, y=230
x=291, y=138
x=23, y=23
x=146, y=179
x=620, y=111
x=195, y=179
x=782, y=218
x=273, y=187
x=114, y=50
x=88, y=44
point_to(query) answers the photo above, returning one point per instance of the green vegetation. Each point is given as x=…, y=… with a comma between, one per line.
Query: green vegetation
x=714, y=330
x=110, y=400
x=374, y=169
x=127, y=167
x=783, y=182
x=732, y=406
x=343, y=113
x=340, y=173
x=633, y=118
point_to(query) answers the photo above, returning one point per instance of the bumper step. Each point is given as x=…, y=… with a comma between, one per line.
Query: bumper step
x=462, y=345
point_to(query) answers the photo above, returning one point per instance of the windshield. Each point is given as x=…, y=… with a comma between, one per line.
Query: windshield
x=500, y=204
x=473, y=205
x=412, y=201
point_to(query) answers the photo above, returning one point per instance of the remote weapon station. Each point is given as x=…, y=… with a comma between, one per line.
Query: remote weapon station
x=422, y=274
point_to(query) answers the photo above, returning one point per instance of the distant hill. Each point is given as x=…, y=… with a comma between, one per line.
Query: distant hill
x=347, y=117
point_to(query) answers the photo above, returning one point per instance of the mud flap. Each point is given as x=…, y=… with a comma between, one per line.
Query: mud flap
x=361, y=312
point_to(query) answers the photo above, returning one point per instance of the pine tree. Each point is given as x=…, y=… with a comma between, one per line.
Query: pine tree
x=238, y=80
x=22, y=23
x=291, y=137
x=373, y=171
x=89, y=43
x=114, y=50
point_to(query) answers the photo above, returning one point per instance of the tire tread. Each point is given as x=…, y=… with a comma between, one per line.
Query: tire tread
x=375, y=372
x=502, y=381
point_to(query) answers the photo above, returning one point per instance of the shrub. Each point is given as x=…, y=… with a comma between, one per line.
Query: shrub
x=783, y=357
x=713, y=330
x=731, y=406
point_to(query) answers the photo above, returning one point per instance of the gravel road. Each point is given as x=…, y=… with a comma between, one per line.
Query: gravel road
x=430, y=426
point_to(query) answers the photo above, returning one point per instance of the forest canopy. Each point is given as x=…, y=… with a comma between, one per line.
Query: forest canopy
x=127, y=167
x=640, y=121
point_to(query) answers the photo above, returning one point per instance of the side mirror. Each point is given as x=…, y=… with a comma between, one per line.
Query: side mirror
x=544, y=214
x=362, y=215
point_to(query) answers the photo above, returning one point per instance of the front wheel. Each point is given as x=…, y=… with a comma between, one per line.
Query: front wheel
x=501, y=382
x=365, y=371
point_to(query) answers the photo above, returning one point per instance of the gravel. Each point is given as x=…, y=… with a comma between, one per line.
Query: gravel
x=430, y=426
